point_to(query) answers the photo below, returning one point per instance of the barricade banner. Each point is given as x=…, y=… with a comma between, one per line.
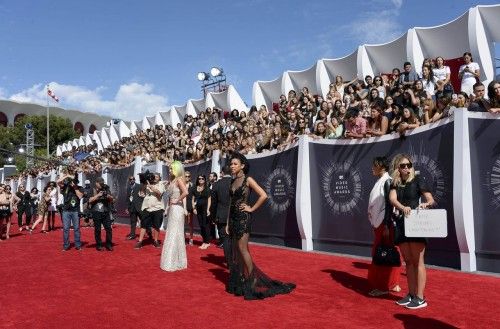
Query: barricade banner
x=485, y=169
x=118, y=183
x=341, y=181
x=275, y=221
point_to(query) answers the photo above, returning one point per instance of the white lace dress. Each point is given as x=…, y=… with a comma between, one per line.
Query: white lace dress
x=173, y=255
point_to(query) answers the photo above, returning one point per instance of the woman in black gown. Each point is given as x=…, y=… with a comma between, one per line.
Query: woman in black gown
x=245, y=278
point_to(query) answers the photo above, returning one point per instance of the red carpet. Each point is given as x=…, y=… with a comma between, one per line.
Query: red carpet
x=43, y=287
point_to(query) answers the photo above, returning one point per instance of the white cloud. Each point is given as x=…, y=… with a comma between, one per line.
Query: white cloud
x=132, y=101
x=397, y=3
x=378, y=24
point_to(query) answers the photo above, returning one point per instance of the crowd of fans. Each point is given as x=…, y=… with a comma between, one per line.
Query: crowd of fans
x=384, y=104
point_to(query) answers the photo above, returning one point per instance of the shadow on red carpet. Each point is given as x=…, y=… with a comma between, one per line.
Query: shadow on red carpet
x=44, y=287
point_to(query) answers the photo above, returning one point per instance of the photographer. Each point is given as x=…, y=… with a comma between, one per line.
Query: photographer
x=152, y=207
x=71, y=193
x=100, y=204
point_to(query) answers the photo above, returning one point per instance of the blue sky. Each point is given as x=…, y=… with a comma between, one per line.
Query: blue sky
x=131, y=58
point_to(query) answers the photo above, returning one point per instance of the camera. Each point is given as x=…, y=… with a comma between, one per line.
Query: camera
x=146, y=177
x=105, y=190
x=70, y=181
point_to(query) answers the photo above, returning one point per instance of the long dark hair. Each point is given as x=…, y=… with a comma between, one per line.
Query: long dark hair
x=243, y=160
x=198, y=180
x=494, y=100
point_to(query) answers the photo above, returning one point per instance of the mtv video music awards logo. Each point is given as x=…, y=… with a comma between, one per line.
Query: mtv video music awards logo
x=341, y=185
x=431, y=172
x=493, y=183
x=279, y=188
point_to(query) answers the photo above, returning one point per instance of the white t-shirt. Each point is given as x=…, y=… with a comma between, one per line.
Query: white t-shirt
x=54, y=200
x=429, y=85
x=441, y=73
x=469, y=78
x=151, y=202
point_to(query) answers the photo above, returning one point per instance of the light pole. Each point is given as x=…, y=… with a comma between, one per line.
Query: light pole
x=30, y=146
x=215, y=80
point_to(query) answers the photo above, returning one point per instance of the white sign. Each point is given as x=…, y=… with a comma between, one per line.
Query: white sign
x=426, y=223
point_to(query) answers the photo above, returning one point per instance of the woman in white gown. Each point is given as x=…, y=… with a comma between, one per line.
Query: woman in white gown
x=173, y=255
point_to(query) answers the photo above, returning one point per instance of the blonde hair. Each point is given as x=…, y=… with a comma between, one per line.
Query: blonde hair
x=396, y=177
x=177, y=169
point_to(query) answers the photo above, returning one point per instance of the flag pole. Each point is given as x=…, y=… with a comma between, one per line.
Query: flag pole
x=48, y=127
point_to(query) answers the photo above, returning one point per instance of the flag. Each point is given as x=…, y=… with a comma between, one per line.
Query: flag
x=51, y=94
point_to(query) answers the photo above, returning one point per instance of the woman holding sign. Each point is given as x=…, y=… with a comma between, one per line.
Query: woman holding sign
x=405, y=194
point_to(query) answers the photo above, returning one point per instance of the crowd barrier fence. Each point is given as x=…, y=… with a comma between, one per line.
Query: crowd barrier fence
x=318, y=189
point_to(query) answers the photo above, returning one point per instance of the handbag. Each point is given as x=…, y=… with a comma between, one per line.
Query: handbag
x=386, y=253
x=386, y=256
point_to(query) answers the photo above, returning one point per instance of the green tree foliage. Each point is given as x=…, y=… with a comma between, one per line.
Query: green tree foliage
x=61, y=131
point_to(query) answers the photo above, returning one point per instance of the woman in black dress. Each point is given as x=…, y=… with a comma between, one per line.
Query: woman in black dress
x=188, y=205
x=406, y=191
x=201, y=202
x=245, y=278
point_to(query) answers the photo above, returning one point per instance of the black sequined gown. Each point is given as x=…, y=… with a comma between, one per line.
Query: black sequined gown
x=254, y=285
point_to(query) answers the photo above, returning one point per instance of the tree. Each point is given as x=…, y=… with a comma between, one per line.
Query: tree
x=61, y=131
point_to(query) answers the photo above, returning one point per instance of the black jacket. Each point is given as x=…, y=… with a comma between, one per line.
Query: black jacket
x=220, y=197
x=135, y=205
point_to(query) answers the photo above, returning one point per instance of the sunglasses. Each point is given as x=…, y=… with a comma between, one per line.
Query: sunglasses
x=201, y=178
x=405, y=165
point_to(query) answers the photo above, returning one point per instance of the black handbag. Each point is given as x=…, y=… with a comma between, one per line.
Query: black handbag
x=386, y=256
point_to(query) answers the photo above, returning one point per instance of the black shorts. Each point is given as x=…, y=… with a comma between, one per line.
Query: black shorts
x=152, y=219
x=399, y=233
x=4, y=213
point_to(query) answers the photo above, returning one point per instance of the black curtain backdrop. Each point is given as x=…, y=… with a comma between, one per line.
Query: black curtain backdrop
x=485, y=168
x=275, y=222
x=341, y=181
x=118, y=182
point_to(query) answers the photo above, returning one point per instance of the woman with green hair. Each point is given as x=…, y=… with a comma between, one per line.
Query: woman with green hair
x=173, y=255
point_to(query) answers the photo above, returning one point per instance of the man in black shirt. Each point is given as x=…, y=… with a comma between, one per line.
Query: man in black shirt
x=101, y=206
x=135, y=196
x=22, y=202
x=221, y=199
x=479, y=104
x=72, y=193
x=87, y=194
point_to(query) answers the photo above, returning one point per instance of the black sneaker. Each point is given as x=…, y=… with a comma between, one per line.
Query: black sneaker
x=138, y=245
x=65, y=248
x=416, y=302
x=78, y=248
x=156, y=244
x=405, y=301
